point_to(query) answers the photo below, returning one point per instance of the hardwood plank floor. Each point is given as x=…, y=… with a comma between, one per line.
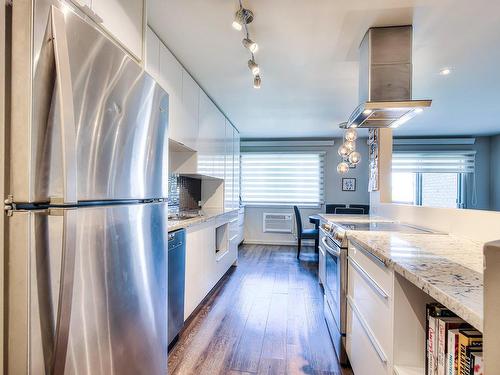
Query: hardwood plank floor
x=264, y=317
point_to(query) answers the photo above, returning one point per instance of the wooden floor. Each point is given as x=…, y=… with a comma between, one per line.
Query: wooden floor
x=264, y=317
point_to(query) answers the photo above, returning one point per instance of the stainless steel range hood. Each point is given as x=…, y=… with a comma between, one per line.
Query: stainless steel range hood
x=385, y=78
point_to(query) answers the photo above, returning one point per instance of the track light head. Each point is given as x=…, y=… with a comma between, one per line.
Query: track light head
x=242, y=17
x=250, y=44
x=256, y=82
x=254, y=67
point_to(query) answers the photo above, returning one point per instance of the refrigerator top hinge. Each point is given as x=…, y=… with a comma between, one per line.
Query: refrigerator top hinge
x=9, y=206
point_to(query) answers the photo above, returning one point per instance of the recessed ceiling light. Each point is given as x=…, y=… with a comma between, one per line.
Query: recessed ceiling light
x=445, y=71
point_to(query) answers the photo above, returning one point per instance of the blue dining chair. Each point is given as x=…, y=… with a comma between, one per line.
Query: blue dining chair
x=312, y=234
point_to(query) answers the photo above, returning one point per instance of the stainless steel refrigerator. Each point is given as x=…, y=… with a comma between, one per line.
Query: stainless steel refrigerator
x=87, y=226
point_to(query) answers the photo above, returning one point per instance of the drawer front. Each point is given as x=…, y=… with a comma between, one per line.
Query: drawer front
x=363, y=354
x=373, y=304
x=377, y=270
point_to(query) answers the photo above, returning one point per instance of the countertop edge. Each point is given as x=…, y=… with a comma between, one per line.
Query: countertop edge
x=184, y=224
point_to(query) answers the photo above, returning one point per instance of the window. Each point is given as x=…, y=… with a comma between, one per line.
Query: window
x=431, y=178
x=282, y=178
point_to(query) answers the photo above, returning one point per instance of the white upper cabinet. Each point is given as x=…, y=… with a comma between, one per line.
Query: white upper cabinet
x=188, y=127
x=206, y=139
x=236, y=166
x=153, y=54
x=124, y=20
x=229, y=170
x=219, y=130
x=171, y=81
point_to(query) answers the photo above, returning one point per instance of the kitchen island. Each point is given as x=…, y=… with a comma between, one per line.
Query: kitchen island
x=391, y=276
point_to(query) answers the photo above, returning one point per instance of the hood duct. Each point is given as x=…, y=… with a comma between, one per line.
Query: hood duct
x=385, y=79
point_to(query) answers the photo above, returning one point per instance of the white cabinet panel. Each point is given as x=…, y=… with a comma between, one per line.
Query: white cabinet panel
x=152, y=54
x=236, y=166
x=218, y=127
x=229, y=168
x=364, y=354
x=188, y=129
x=124, y=20
x=200, y=264
x=171, y=81
x=206, y=137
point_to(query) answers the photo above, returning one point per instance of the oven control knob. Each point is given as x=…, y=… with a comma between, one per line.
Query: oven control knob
x=327, y=227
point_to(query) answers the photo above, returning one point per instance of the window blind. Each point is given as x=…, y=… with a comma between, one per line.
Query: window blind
x=274, y=178
x=434, y=161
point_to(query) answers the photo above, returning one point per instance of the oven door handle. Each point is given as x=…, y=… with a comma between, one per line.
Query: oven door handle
x=330, y=249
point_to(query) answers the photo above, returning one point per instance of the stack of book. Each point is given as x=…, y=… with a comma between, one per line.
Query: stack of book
x=453, y=346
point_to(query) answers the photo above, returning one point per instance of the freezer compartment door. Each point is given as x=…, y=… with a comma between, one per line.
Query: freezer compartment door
x=115, y=321
x=99, y=121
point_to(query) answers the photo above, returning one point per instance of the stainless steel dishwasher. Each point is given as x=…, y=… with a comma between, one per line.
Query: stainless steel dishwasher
x=176, y=276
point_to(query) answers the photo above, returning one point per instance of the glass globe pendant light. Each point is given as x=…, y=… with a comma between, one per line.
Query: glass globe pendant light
x=343, y=168
x=351, y=134
x=343, y=151
x=350, y=145
x=354, y=157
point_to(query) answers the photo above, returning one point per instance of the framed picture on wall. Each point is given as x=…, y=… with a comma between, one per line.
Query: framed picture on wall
x=348, y=184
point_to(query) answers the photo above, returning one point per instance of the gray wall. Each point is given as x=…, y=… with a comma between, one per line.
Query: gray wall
x=333, y=193
x=495, y=173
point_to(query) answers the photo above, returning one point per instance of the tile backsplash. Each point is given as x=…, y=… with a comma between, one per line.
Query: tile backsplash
x=184, y=193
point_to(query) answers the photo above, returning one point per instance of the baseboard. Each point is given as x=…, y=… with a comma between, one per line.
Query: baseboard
x=283, y=243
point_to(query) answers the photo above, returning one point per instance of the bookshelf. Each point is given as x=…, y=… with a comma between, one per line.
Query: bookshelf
x=409, y=327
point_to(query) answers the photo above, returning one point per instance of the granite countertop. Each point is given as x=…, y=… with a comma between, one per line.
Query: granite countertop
x=204, y=216
x=448, y=268
x=334, y=218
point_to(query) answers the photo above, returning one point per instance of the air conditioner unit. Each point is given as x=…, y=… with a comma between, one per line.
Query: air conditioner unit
x=277, y=222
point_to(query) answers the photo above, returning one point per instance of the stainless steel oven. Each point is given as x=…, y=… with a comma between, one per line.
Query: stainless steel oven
x=335, y=284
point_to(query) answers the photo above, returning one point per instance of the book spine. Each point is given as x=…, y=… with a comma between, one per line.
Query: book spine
x=431, y=350
x=451, y=367
x=441, y=347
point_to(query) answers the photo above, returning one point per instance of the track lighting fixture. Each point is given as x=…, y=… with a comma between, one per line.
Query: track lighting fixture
x=242, y=18
x=256, y=82
x=250, y=44
x=254, y=67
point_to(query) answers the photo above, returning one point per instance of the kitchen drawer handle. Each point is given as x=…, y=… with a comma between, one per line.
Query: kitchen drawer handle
x=368, y=278
x=335, y=252
x=368, y=331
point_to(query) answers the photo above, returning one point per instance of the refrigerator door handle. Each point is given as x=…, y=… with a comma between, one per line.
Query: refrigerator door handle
x=66, y=108
x=65, y=298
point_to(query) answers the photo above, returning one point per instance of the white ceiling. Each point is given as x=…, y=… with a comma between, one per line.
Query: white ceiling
x=308, y=57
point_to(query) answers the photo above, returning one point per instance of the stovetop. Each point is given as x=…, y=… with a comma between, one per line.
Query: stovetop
x=337, y=231
x=382, y=227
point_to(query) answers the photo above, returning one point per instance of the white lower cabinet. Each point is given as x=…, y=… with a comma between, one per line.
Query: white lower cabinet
x=369, y=333
x=204, y=265
x=200, y=264
x=364, y=356
x=241, y=224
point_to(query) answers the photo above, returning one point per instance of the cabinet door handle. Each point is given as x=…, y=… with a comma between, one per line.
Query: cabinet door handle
x=368, y=278
x=368, y=331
